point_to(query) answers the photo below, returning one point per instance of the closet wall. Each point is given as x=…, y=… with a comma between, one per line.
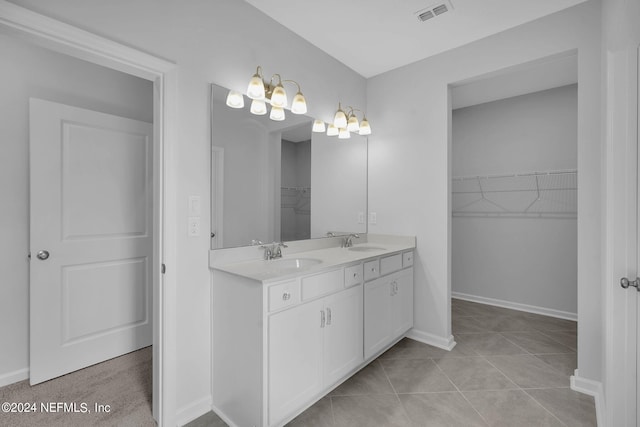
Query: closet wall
x=514, y=233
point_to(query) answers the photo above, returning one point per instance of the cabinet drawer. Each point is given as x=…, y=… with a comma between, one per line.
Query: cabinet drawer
x=322, y=284
x=407, y=259
x=371, y=269
x=284, y=295
x=352, y=275
x=390, y=264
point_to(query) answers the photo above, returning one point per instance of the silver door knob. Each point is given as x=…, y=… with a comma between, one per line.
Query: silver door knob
x=625, y=283
x=42, y=255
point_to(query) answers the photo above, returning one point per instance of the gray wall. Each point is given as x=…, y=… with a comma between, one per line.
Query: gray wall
x=29, y=71
x=530, y=261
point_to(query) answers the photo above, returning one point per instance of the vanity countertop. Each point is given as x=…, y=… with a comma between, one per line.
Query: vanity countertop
x=299, y=263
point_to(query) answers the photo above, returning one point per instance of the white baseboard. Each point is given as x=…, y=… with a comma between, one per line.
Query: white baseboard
x=14, y=377
x=193, y=410
x=431, y=339
x=592, y=388
x=516, y=306
x=222, y=416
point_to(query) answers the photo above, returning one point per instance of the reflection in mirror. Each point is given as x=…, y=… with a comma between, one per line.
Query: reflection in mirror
x=264, y=173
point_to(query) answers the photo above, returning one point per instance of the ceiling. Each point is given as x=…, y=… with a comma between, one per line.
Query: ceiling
x=375, y=36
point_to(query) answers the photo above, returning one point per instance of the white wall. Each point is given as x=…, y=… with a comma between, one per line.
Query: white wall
x=531, y=261
x=29, y=71
x=410, y=149
x=219, y=42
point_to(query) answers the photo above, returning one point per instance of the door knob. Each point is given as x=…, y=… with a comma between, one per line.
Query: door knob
x=42, y=255
x=625, y=283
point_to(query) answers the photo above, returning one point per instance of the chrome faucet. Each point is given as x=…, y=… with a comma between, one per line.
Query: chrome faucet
x=347, y=241
x=273, y=251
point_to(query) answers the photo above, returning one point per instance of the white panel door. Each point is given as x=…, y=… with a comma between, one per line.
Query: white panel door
x=377, y=315
x=91, y=237
x=402, y=302
x=295, y=358
x=342, y=333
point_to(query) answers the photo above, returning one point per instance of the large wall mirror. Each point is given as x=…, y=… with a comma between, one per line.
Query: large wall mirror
x=278, y=181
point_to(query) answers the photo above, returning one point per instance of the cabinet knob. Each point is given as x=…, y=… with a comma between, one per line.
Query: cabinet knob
x=355, y=275
x=286, y=296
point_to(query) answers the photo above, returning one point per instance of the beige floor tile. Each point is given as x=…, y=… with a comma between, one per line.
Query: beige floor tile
x=528, y=371
x=440, y=410
x=370, y=380
x=474, y=373
x=537, y=343
x=566, y=363
x=491, y=343
x=415, y=376
x=318, y=415
x=366, y=411
x=573, y=408
x=510, y=408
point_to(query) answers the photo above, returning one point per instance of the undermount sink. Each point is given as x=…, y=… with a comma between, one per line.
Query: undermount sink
x=366, y=248
x=293, y=263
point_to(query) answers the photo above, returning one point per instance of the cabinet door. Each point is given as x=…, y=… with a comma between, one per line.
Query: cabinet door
x=402, y=302
x=295, y=358
x=377, y=315
x=342, y=333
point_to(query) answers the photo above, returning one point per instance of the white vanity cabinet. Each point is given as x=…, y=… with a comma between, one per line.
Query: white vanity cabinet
x=388, y=305
x=280, y=344
x=311, y=346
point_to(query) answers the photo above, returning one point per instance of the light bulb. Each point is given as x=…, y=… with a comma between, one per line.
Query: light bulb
x=318, y=126
x=277, y=113
x=299, y=104
x=279, y=96
x=340, y=119
x=255, y=90
x=332, y=130
x=365, y=129
x=344, y=134
x=352, y=124
x=235, y=99
x=258, y=107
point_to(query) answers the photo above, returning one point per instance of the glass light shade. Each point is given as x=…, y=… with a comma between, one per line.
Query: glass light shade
x=277, y=113
x=352, y=124
x=258, y=107
x=299, y=104
x=255, y=90
x=279, y=97
x=340, y=119
x=344, y=134
x=235, y=99
x=365, y=129
x=318, y=126
x=332, y=130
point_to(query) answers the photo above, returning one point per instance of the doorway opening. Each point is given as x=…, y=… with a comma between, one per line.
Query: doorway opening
x=513, y=208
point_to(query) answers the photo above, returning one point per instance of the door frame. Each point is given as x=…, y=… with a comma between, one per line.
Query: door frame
x=622, y=86
x=63, y=38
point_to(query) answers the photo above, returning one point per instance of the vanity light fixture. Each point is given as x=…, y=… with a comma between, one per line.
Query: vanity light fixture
x=272, y=92
x=235, y=99
x=344, y=123
x=318, y=126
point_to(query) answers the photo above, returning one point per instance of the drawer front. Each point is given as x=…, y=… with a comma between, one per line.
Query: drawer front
x=284, y=295
x=407, y=259
x=390, y=264
x=371, y=269
x=322, y=284
x=353, y=275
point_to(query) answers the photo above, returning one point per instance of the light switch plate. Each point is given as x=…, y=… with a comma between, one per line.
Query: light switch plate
x=360, y=217
x=373, y=218
x=195, y=206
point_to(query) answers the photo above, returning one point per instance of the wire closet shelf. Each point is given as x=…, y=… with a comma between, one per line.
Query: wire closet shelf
x=552, y=194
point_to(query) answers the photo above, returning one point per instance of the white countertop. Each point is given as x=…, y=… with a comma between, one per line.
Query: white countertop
x=316, y=260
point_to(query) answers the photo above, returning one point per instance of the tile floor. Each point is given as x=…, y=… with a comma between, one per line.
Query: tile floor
x=509, y=368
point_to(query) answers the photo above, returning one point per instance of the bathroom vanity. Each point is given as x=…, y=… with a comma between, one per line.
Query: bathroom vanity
x=287, y=331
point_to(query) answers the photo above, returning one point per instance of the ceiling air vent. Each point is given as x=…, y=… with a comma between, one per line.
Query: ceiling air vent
x=434, y=10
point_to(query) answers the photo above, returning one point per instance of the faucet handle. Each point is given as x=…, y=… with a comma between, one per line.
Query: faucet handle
x=280, y=244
